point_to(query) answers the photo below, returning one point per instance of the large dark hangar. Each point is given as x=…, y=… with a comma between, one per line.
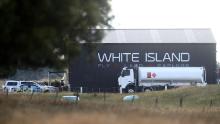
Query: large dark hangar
x=141, y=47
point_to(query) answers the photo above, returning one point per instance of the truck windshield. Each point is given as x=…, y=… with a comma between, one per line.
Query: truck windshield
x=125, y=73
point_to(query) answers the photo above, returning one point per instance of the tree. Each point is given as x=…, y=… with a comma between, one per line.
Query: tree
x=38, y=33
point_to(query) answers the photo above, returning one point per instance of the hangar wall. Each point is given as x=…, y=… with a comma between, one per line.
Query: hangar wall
x=102, y=67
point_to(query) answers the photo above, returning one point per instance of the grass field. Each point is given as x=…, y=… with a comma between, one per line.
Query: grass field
x=195, y=105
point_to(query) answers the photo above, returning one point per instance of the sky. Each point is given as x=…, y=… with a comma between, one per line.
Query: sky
x=168, y=14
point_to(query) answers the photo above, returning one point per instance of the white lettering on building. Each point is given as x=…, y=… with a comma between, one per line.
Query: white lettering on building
x=148, y=57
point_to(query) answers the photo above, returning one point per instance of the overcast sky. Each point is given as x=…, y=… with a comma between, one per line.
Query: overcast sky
x=150, y=14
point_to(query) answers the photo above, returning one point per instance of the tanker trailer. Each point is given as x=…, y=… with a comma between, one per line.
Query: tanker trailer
x=156, y=78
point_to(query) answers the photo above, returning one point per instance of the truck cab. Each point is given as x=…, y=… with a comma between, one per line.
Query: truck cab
x=126, y=80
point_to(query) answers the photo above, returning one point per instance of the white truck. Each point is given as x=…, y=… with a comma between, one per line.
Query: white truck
x=156, y=78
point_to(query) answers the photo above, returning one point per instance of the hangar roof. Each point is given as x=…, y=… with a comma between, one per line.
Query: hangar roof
x=158, y=36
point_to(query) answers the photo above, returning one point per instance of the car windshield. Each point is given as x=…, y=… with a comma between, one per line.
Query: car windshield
x=27, y=83
x=41, y=84
x=12, y=83
x=34, y=85
x=24, y=85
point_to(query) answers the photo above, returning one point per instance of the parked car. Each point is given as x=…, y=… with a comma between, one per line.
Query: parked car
x=11, y=86
x=52, y=89
x=16, y=86
x=46, y=88
x=32, y=87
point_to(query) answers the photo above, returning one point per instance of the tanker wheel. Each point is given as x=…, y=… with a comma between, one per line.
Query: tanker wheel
x=147, y=90
x=130, y=90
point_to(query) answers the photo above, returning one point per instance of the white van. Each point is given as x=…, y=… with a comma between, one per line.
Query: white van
x=11, y=86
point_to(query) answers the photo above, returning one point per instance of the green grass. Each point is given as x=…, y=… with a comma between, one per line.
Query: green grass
x=92, y=108
x=193, y=97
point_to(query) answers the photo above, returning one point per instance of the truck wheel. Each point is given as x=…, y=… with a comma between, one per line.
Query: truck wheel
x=147, y=90
x=130, y=90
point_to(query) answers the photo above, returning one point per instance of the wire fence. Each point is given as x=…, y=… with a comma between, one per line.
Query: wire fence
x=106, y=97
x=96, y=90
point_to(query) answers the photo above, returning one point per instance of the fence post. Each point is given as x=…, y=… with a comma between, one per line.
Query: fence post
x=181, y=102
x=56, y=96
x=211, y=103
x=32, y=94
x=133, y=99
x=104, y=96
x=77, y=97
x=6, y=92
x=94, y=94
x=156, y=102
x=81, y=89
x=94, y=91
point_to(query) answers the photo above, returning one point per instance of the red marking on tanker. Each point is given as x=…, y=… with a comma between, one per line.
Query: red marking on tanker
x=154, y=75
x=148, y=74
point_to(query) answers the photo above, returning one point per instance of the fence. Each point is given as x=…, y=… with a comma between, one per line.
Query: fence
x=95, y=90
x=106, y=96
x=116, y=98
